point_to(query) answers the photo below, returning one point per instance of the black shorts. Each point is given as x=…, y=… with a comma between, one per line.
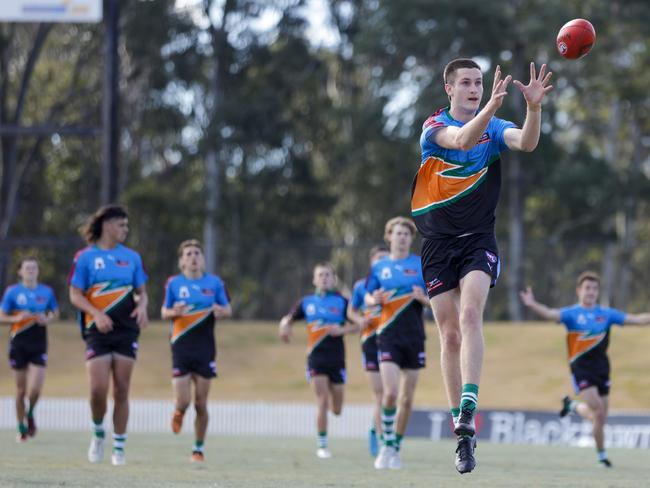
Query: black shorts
x=446, y=261
x=370, y=354
x=336, y=374
x=22, y=353
x=583, y=379
x=186, y=361
x=406, y=354
x=121, y=341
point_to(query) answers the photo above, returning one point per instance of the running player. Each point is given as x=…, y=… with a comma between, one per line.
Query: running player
x=193, y=300
x=454, y=196
x=370, y=318
x=107, y=285
x=326, y=315
x=395, y=283
x=28, y=306
x=588, y=326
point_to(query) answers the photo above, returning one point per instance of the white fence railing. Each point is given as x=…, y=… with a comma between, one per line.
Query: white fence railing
x=235, y=418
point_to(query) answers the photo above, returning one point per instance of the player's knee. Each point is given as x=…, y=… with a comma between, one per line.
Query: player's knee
x=451, y=340
x=20, y=392
x=390, y=397
x=470, y=317
x=120, y=393
x=337, y=409
x=406, y=402
x=201, y=408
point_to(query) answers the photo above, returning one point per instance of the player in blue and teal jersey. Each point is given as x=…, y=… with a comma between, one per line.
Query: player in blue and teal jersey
x=588, y=328
x=194, y=299
x=454, y=197
x=370, y=318
x=395, y=284
x=107, y=285
x=326, y=315
x=28, y=307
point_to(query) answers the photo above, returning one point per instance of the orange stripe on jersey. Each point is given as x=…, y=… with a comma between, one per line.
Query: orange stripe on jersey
x=579, y=343
x=316, y=333
x=391, y=308
x=437, y=184
x=105, y=300
x=374, y=319
x=23, y=325
x=181, y=325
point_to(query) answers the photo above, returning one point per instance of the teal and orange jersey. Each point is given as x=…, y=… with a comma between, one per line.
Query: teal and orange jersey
x=588, y=335
x=401, y=314
x=371, y=314
x=322, y=312
x=108, y=279
x=30, y=301
x=456, y=192
x=196, y=325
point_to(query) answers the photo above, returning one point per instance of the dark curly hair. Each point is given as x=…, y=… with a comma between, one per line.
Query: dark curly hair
x=91, y=231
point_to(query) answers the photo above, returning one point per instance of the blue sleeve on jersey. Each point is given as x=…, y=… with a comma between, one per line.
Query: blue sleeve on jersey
x=79, y=277
x=170, y=299
x=431, y=126
x=52, y=303
x=7, y=305
x=497, y=128
x=565, y=316
x=358, y=296
x=221, y=296
x=139, y=276
x=616, y=317
x=372, y=282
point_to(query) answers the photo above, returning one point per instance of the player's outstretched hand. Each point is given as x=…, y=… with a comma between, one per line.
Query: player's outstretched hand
x=284, y=332
x=499, y=87
x=537, y=87
x=527, y=296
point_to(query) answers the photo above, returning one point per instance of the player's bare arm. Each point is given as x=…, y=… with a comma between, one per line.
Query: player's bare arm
x=528, y=299
x=637, y=318
x=526, y=138
x=140, y=311
x=284, y=329
x=466, y=137
x=103, y=322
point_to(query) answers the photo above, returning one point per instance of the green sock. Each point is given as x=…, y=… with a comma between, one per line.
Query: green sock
x=22, y=428
x=118, y=442
x=398, y=440
x=98, y=426
x=322, y=440
x=198, y=446
x=455, y=413
x=30, y=411
x=388, y=424
x=469, y=397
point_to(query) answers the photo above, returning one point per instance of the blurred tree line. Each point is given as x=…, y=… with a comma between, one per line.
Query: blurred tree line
x=294, y=130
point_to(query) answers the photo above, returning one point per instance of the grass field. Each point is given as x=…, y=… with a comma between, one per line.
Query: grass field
x=159, y=460
x=525, y=366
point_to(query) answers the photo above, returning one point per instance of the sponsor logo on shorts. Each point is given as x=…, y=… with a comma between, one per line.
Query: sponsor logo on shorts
x=584, y=384
x=44, y=356
x=12, y=363
x=311, y=372
x=491, y=257
x=213, y=366
x=134, y=346
x=432, y=285
x=90, y=353
x=385, y=356
x=371, y=365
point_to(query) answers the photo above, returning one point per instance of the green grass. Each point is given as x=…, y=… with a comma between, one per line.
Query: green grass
x=160, y=460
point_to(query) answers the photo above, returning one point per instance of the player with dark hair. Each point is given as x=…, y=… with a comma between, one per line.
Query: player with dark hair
x=395, y=284
x=369, y=354
x=107, y=285
x=28, y=307
x=326, y=315
x=454, y=197
x=588, y=327
x=194, y=300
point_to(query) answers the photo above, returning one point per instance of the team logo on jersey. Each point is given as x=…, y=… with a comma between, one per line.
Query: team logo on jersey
x=600, y=319
x=99, y=263
x=207, y=292
x=41, y=299
x=184, y=292
x=582, y=320
x=484, y=138
x=386, y=274
x=410, y=272
x=122, y=264
x=311, y=309
x=333, y=310
x=21, y=299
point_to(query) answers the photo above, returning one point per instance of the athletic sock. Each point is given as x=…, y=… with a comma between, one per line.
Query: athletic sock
x=198, y=446
x=398, y=441
x=322, y=440
x=602, y=454
x=30, y=411
x=118, y=442
x=22, y=428
x=98, y=428
x=455, y=413
x=388, y=424
x=469, y=397
x=573, y=404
